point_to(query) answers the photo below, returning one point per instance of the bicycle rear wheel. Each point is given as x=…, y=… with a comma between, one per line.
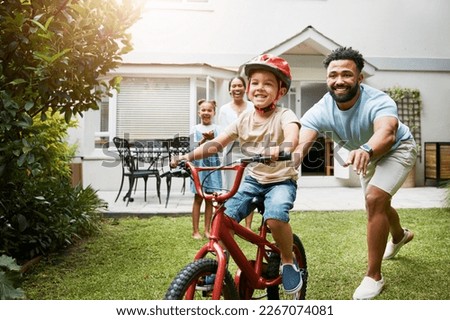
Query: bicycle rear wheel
x=194, y=274
x=277, y=292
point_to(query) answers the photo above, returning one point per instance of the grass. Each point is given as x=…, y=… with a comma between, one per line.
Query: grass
x=138, y=258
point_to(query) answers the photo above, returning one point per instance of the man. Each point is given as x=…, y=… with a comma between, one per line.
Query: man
x=364, y=120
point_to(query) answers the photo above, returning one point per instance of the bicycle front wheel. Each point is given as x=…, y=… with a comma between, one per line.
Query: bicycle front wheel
x=198, y=275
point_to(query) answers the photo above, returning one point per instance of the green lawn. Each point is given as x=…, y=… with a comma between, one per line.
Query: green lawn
x=138, y=258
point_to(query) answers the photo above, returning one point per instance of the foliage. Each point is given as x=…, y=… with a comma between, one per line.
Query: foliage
x=45, y=213
x=39, y=225
x=409, y=105
x=54, y=60
x=54, y=57
x=9, y=278
x=398, y=94
x=409, y=99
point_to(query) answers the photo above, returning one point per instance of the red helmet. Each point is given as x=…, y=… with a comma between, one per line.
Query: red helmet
x=271, y=63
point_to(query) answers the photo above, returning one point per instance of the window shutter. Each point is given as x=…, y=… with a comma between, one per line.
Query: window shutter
x=153, y=108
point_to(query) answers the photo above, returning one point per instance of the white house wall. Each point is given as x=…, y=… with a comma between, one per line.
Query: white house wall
x=382, y=28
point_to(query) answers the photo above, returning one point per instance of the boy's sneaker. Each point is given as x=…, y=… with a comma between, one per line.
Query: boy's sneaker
x=206, y=283
x=368, y=289
x=393, y=248
x=291, y=277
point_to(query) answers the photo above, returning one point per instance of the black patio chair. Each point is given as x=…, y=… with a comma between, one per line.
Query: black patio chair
x=153, y=153
x=178, y=146
x=130, y=169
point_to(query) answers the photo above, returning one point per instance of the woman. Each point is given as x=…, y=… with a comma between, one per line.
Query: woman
x=229, y=113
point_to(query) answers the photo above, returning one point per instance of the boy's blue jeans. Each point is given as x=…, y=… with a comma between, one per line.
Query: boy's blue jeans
x=278, y=198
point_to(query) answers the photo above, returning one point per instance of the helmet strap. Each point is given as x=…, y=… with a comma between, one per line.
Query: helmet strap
x=266, y=109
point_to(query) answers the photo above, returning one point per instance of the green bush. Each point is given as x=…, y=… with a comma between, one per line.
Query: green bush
x=40, y=212
x=46, y=217
x=46, y=69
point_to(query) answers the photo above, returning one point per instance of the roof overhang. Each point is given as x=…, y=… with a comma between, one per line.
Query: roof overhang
x=309, y=42
x=175, y=70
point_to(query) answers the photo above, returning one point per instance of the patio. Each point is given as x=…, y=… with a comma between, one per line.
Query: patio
x=308, y=199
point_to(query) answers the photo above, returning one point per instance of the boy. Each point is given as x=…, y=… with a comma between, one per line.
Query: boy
x=266, y=130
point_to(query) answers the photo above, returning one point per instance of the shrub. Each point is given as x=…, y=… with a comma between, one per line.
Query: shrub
x=41, y=218
x=41, y=212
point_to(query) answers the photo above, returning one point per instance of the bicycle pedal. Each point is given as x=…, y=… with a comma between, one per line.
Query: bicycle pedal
x=204, y=288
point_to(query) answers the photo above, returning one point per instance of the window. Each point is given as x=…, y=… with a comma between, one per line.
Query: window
x=157, y=108
x=206, y=89
x=152, y=108
x=211, y=87
x=289, y=99
x=102, y=136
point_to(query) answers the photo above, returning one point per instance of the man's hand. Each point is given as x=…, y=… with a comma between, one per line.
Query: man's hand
x=359, y=159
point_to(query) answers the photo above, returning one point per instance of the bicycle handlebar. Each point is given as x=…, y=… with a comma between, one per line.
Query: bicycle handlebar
x=185, y=168
x=282, y=156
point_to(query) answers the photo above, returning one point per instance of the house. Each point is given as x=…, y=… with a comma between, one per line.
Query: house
x=189, y=49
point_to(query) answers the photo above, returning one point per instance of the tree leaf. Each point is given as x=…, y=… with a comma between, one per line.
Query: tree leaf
x=8, y=263
x=7, y=289
x=17, y=81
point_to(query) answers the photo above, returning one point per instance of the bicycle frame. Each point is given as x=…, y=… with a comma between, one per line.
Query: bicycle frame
x=221, y=228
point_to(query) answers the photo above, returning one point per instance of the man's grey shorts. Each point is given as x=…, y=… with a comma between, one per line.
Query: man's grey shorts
x=390, y=170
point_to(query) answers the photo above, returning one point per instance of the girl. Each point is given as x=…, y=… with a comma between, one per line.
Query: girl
x=202, y=132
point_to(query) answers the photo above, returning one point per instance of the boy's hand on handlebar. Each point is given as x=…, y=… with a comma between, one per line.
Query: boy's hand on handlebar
x=176, y=160
x=272, y=152
x=284, y=156
x=276, y=154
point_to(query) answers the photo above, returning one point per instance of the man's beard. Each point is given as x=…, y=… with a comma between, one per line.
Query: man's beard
x=346, y=97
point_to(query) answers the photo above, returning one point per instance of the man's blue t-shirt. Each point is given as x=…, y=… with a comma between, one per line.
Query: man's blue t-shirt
x=354, y=127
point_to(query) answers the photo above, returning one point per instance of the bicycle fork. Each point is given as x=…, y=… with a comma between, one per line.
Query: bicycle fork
x=214, y=247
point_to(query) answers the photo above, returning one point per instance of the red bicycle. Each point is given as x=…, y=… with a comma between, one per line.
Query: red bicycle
x=256, y=278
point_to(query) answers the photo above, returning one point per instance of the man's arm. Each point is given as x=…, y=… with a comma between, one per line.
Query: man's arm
x=307, y=138
x=385, y=130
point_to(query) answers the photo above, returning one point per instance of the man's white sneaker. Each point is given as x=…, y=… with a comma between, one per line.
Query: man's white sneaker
x=368, y=289
x=393, y=248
